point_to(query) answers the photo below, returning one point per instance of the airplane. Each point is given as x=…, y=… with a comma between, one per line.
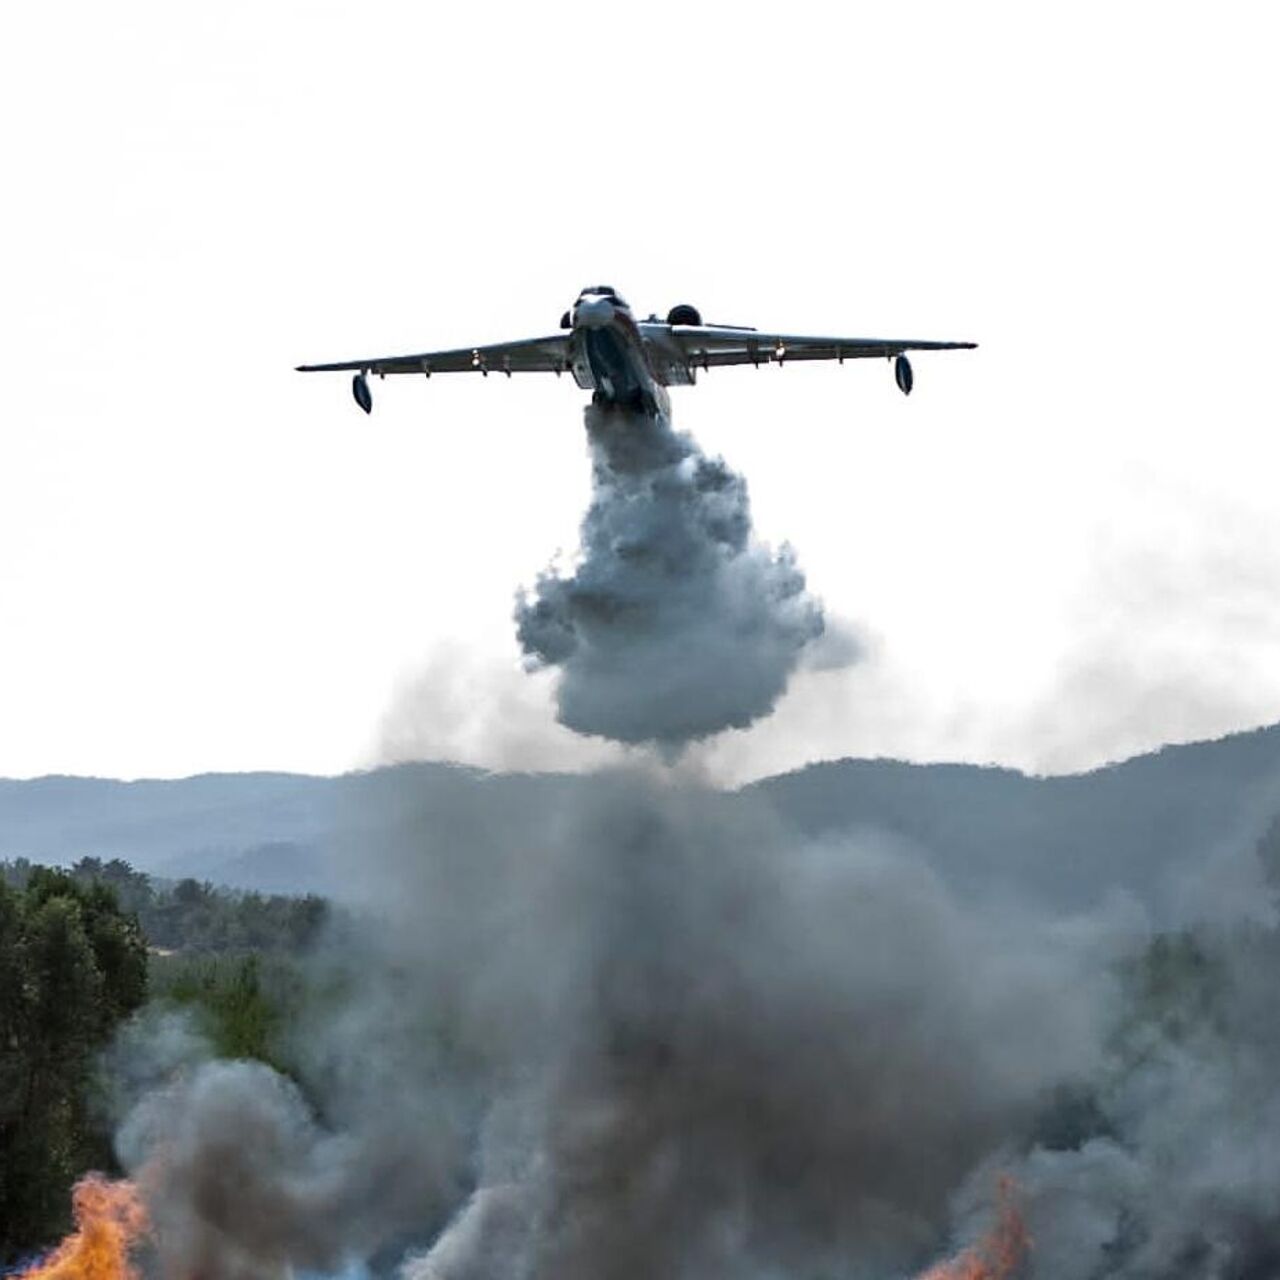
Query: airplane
x=629, y=363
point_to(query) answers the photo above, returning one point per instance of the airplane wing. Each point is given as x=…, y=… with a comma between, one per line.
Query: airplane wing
x=708, y=346
x=532, y=355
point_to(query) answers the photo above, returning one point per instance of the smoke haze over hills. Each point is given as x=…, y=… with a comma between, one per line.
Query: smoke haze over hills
x=1150, y=821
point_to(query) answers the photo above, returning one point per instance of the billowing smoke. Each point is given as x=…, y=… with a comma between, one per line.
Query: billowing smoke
x=677, y=623
x=645, y=1032
x=1169, y=1165
x=727, y=1053
x=243, y=1179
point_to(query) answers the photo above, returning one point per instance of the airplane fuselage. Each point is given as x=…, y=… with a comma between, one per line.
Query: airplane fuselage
x=611, y=357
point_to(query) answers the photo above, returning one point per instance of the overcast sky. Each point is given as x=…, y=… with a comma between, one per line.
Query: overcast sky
x=1063, y=548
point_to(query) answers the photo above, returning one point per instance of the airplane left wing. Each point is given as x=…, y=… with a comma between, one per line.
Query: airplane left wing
x=532, y=355
x=707, y=346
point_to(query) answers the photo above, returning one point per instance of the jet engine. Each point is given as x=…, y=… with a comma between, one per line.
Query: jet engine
x=360, y=390
x=566, y=321
x=683, y=313
x=902, y=375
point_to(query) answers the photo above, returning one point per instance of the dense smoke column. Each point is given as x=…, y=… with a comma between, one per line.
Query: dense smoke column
x=625, y=1032
x=676, y=624
x=726, y=1052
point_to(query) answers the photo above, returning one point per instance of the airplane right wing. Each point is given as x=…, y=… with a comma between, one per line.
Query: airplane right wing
x=707, y=346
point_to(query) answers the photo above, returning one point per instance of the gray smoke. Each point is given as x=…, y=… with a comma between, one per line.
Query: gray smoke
x=676, y=624
x=640, y=1029
x=244, y=1177
x=648, y=1033
x=736, y=1055
x=1174, y=1168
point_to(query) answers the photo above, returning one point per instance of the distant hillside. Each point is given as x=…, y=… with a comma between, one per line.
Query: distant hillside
x=1159, y=825
x=271, y=832
x=190, y=826
x=1069, y=838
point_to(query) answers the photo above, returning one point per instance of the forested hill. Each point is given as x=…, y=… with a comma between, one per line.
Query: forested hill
x=1066, y=836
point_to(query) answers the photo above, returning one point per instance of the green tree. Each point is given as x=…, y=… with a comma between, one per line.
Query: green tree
x=14, y=1016
x=1269, y=856
x=72, y=966
x=240, y=1003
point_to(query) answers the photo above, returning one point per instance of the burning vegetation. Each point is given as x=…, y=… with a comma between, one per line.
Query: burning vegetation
x=998, y=1254
x=110, y=1220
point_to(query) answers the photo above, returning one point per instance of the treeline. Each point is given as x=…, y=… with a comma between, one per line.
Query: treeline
x=190, y=915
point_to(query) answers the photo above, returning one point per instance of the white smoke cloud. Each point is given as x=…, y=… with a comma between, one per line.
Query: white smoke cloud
x=676, y=624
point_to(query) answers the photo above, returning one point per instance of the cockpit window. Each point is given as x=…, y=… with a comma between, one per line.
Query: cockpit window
x=605, y=292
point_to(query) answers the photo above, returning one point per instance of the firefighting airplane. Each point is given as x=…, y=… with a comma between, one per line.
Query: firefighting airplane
x=631, y=363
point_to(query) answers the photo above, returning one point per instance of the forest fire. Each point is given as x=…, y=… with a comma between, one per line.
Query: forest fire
x=110, y=1219
x=998, y=1254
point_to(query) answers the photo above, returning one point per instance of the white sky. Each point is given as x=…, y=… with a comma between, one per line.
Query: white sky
x=1063, y=548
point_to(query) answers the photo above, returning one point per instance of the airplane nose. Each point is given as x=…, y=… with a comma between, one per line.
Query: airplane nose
x=593, y=313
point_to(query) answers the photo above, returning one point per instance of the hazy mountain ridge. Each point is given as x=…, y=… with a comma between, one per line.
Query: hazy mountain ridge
x=1070, y=837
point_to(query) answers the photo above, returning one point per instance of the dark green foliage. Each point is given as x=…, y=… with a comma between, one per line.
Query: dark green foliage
x=1071, y=1116
x=1269, y=856
x=189, y=915
x=242, y=1004
x=1176, y=989
x=72, y=966
x=197, y=917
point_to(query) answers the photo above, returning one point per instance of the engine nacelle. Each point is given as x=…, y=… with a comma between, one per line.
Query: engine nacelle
x=902, y=375
x=360, y=390
x=683, y=313
x=566, y=321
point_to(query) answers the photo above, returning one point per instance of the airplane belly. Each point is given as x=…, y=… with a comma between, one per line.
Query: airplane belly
x=612, y=361
x=612, y=368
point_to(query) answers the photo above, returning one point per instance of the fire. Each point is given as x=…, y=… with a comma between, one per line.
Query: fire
x=998, y=1254
x=110, y=1218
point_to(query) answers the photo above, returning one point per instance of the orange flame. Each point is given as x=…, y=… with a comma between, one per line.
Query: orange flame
x=999, y=1253
x=110, y=1218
